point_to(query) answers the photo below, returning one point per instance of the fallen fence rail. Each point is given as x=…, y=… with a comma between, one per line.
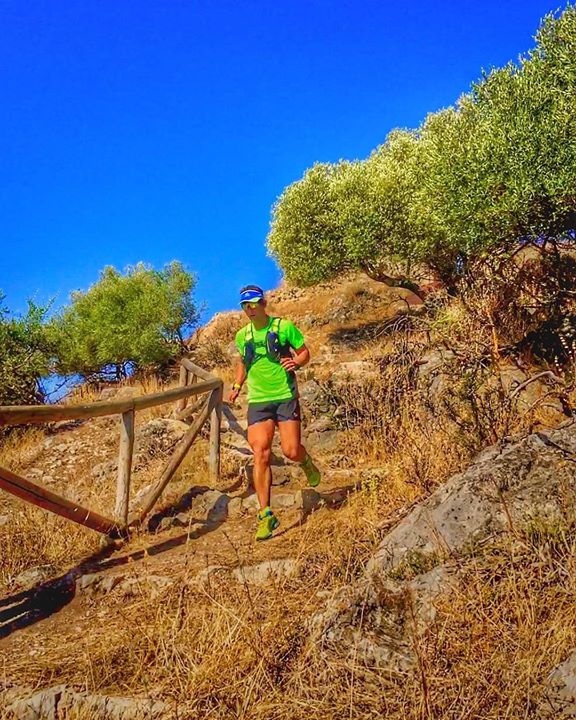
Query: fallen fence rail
x=210, y=409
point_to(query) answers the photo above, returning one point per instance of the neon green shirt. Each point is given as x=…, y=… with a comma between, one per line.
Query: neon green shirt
x=267, y=380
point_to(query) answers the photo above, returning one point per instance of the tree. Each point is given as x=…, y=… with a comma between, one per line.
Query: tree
x=125, y=321
x=25, y=355
x=473, y=181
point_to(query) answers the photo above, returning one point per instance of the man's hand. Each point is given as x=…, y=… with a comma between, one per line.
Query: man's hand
x=289, y=364
x=233, y=396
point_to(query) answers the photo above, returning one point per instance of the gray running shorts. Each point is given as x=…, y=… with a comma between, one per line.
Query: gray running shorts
x=280, y=411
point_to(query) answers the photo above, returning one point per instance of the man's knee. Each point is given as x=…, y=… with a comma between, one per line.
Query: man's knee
x=291, y=451
x=261, y=454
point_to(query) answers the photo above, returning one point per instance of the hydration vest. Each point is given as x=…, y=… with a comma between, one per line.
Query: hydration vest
x=274, y=349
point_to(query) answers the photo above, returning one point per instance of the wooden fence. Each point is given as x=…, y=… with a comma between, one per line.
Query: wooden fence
x=194, y=381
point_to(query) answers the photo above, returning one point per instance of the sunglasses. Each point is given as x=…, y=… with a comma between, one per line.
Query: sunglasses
x=253, y=304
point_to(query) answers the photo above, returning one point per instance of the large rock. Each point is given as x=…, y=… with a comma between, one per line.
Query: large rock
x=516, y=484
x=377, y=621
x=528, y=482
x=157, y=437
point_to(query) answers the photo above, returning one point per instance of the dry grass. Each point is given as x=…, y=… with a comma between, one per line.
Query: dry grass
x=233, y=651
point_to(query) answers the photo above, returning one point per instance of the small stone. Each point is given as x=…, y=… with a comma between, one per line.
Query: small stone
x=34, y=576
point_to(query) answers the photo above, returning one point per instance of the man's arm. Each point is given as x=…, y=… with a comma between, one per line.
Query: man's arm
x=239, y=378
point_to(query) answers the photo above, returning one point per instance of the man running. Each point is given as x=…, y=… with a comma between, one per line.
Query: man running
x=271, y=351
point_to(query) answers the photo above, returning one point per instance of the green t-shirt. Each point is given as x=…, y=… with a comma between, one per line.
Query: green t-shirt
x=267, y=380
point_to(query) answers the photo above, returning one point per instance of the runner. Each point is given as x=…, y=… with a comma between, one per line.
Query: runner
x=271, y=351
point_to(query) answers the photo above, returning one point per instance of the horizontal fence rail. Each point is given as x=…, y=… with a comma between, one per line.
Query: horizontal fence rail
x=207, y=409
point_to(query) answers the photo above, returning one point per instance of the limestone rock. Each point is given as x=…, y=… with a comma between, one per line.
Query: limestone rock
x=377, y=620
x=59, y=701
x=34, y=576
x=560, y=696
x=211, y=505
x=265, y=571
x=521, y=482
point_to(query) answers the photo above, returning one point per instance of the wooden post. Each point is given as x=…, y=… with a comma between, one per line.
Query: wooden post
x=179, y=454
x=40, y=496
x=181, y=404
x=215, y=420
x=124, y=466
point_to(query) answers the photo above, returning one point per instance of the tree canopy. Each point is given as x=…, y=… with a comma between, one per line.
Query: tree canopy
x=131, y=320
x=497, y=168
x=25, y=355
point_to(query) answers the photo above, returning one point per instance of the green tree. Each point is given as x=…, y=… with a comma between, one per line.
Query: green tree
x=133, y=320
x=25, y=355
x=473, y=181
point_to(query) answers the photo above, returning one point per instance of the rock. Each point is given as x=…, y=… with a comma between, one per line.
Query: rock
x=205, y=575
x=157, y=437
x=211, y=505
x=522, y=482
x=104, y=470
x=98, y=583
x=252, y=574
x=281, y=474
x=377, y=620
x=519, y=483
x=34, y=576
x=314, y=398
x=324, y=442
x=265, y=571
x=559, y=699
x=122, y=585
x=356, y=370
x=321, y=425
x=4, y=520
x=60, y=701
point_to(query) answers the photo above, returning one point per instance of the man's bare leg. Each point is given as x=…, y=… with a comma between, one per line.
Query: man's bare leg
x=260, y=436
x=290, y=440
x=294, y=450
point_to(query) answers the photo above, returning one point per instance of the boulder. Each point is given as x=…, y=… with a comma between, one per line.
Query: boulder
x=516, y=484
x=559, y=699
x=378, y=621
x=519, y=482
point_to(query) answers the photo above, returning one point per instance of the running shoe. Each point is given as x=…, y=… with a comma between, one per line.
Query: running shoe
x=311, y=472
x=267, y=523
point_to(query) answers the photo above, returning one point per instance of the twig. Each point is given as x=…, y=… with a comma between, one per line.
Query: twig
x=545, y=373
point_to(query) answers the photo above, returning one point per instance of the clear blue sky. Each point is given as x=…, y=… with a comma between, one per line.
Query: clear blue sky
x=165, y=130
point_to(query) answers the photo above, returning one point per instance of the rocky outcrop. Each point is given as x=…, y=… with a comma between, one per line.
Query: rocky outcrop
x=509, y=487
x=560, y=695
x=60, y=700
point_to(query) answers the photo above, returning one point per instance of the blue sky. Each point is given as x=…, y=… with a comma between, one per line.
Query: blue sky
x=165, y=130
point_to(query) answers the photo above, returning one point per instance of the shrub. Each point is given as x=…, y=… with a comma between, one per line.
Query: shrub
x=25, y=356
x=133, y=320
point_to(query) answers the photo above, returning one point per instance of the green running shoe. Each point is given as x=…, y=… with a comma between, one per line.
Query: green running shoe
x=267, y=523
x=311, y=472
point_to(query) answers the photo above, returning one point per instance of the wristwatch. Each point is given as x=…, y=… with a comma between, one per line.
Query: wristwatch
x=236, y=386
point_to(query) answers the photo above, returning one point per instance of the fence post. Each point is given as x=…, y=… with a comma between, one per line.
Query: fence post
x=124, y=466
x=181, y=404
x=215, y=419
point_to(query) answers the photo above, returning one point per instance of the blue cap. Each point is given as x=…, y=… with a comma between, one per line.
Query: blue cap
x=251, y=294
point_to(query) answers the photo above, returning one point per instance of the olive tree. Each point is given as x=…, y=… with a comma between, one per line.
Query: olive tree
x=132, y=320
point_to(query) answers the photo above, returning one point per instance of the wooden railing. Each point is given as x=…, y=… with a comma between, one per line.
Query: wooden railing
x=194, y=381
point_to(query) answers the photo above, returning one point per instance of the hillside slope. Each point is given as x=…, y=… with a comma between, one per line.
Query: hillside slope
x=194, y=619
